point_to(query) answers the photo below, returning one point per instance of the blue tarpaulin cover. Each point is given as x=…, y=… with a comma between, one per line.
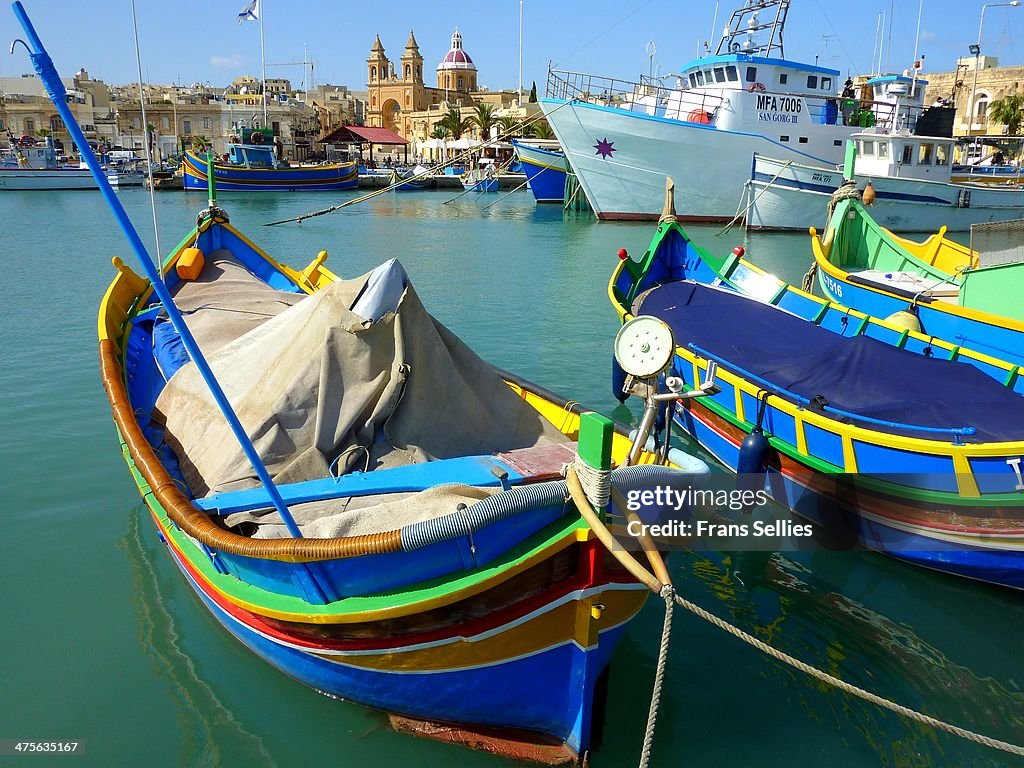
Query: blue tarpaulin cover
x=856, y=374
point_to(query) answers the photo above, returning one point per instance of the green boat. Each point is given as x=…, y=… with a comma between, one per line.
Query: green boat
x=969, y=299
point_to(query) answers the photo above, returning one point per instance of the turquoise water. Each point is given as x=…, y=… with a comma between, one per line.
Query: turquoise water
x=105, y=643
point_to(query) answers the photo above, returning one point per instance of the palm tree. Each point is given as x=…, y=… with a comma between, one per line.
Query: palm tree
x=484, y=118
x=510, y=126
x=455, y=123
x=440, y=131
x=1008, y=111
x=541, y=130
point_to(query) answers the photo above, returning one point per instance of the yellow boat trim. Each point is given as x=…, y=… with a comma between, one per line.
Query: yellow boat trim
x=571, y=621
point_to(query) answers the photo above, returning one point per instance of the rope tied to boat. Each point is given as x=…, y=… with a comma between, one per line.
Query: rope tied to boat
x=597, y=483
x=666, y=591
x=847, y=191
x=668, y=594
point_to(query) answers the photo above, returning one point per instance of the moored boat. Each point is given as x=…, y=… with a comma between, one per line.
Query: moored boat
x=252, y=167
x=480, y=180
x=909, y=171
x=905, y=443
x=35, y=167
x=971, y=299
x=544, y=164
x=622, y=139
x=412, y=180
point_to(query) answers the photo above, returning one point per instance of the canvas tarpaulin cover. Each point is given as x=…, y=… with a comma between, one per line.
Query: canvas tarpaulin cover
x=317, y=382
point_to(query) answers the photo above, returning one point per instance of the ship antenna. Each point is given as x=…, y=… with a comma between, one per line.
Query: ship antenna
x=158, y=254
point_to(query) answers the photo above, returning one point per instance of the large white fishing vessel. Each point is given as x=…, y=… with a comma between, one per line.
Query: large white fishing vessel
x=622, y=138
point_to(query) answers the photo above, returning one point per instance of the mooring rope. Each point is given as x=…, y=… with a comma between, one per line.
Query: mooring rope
x=668, y=594
x=817, y=674
x=742, y=215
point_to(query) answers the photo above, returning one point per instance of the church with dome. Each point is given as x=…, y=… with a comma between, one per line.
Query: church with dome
x=399, y=99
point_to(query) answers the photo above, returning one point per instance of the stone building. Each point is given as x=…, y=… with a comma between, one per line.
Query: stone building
x=972, y=102
x=400, y=100
x=26, y=110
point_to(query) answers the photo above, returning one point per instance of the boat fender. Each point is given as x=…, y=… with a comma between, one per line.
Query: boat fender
x=699, y=116
x=190, y=264
x=906, y=319
x=255, y=137
x=618, y=381
x=756, y=88
x=752, y=462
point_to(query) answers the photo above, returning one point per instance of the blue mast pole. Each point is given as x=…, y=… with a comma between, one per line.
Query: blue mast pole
x=55, y=88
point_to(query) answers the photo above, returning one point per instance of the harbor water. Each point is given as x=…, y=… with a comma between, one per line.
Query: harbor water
x=105, y=643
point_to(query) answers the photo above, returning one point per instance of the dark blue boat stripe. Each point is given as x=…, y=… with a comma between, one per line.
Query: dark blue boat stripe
x=828, y=189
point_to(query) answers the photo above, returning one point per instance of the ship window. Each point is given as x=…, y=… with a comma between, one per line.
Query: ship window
x=783, y=78
x=924, y=154
x=732, y=74
x=783, y=138
x=883, y=150
x=751, y=74
x=941, y=154
x=908, y=154
x=719, y=74
x=700, y=78
x=693, y=80
x=803, y=139
x=708, y=77
x=826, y=83
x=867, y=148
x=837, y=143
x=812, y=81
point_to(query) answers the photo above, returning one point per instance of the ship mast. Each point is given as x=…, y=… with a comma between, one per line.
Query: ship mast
x=752, y=18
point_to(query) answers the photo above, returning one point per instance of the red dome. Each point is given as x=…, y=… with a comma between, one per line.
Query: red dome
x=456, y=58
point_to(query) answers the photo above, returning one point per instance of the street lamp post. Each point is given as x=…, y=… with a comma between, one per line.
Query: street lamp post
x=976, y=50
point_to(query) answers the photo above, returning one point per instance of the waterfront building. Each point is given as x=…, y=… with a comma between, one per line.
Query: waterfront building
x=973, y=90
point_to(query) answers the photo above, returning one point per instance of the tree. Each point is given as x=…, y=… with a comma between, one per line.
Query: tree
x=1008, y=111
x=541, y=130
x=455, y=123
x=533, y=93
x=484, y=119
x=440, y=131
x=510, y=126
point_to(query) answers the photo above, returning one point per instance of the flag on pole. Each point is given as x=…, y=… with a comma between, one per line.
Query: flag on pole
x=251, y=12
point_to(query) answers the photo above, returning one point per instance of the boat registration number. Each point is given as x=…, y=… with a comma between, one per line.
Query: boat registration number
x=778, y=109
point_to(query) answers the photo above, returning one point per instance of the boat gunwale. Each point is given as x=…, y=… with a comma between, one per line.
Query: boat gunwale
x=824, y=263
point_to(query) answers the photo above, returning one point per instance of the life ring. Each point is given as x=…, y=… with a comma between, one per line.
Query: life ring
x=699, y=116
x=756, y=88
x=255, y=137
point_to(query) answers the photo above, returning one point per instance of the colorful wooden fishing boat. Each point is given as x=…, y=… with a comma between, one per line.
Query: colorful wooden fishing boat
x=480, y=180
x=394, y=532
x=544, y=164
x=909, y=444
x=412, y=180
x=970, y=299
x=252, y=167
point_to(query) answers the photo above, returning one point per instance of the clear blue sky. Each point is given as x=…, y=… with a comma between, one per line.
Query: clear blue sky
x=199, y=40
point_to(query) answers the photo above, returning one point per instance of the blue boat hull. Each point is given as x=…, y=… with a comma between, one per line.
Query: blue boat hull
x=995, y=340
x=545, y=170
x=328, y=178
x=790, y=490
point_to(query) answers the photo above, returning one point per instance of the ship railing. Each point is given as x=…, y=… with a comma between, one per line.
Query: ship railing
x=831, y=109
x=650, y=96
